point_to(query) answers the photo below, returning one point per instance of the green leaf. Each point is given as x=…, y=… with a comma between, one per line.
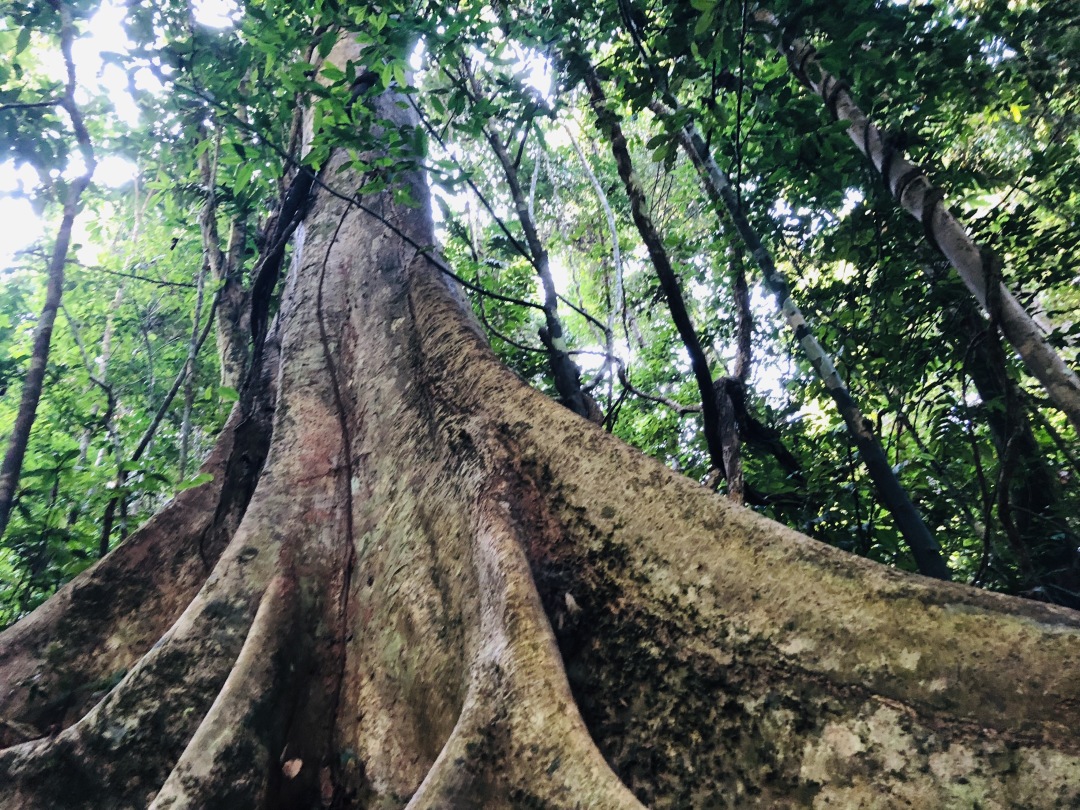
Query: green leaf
x=197, y=481
x=399, y=74
x=333, y=73
x=704, y=23
x=23, y=40
x=326, y=42
x=243, y=177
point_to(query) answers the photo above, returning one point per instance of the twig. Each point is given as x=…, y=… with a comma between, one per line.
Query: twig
x=678, y=407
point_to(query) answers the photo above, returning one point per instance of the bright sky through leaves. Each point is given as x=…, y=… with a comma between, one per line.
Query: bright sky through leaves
x=20, y=225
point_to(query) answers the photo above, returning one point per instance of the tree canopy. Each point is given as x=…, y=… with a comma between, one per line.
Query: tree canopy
x=372, y=368
x=202, y=112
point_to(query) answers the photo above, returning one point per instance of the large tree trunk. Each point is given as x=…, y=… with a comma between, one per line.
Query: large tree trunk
x=449, y=591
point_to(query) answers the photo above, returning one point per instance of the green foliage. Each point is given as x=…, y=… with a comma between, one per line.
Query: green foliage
x=984, y=94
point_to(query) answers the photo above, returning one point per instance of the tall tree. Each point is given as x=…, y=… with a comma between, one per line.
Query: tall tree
x=408, y=579
x=977, y=267
x=565, y=374
x=17, y=440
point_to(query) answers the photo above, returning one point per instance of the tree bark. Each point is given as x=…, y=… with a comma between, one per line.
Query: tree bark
x=233, y=324
x=720, y=452
x=564, y=372
x=1029, y=500
x=427, y=536
x=920, y=198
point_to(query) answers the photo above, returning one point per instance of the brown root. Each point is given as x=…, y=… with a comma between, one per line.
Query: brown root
x=62, y=658
x=225, y=763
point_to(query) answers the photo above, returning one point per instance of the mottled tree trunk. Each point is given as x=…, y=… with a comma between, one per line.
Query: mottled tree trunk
x=564, y=372
x=924, y=547
x=226, y=266
x=1029, y=501
x=913, y=191
x=449, y=591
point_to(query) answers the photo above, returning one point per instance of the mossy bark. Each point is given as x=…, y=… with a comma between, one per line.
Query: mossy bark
x=450, y=591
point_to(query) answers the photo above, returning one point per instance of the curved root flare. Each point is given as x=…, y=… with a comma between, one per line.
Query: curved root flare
x=449, y=591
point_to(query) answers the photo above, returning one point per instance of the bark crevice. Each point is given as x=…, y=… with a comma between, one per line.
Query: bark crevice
x=718, y=659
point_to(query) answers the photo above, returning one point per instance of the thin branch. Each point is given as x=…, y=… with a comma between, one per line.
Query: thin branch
x=506, y=338
x=148, y=435
x=520, y=248
x=30, y=105
x=565, y=373
x=678, y=407
x=19, y=436
x=616, y=256
x=579, y=310
x=147, y=279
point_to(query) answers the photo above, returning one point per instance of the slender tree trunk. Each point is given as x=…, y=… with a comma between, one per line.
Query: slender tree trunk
x=617, y=304
x=430, y=540
x=189, y=373
x=924, y=547
x=19, y=437
x=744, y=320
x=1029, y=500
x=735, y=418
x=233, y=311
x=977, y=268
x=608, y=122
x=564, y=371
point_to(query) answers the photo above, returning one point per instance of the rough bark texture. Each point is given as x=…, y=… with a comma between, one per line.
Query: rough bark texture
x=428, y=534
